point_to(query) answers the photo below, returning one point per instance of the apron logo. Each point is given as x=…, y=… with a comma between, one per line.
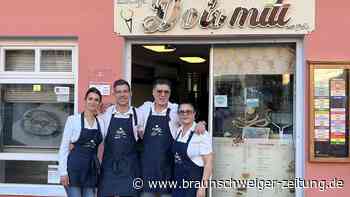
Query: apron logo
x=156, y=131
x=90, y=144
x=178, y=158
x=120, y=133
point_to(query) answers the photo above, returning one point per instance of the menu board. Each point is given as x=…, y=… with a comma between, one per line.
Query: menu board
x=330, y=110
x=256, y=159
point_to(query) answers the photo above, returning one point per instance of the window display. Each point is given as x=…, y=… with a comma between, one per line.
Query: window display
x=257, y=83
x=329, y=109
x=34, y=115
x=37, y=95
x=253, y=116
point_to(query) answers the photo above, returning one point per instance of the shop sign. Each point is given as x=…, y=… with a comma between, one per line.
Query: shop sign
x=213, y=17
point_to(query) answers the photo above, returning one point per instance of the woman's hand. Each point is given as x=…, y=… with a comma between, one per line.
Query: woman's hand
x=140, y=131
x=200, y=192
x=200, y=127
x=64, y=180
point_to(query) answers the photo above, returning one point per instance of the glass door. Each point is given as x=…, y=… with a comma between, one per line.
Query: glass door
x=253, y=98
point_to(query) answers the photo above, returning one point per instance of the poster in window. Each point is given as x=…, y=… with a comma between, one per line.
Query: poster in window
x=338, y=87
x=322, y=134
x=322, y=88
x=322, y=103
x=322, y=118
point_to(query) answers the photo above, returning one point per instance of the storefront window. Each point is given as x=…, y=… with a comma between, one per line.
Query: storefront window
x=34, y=115
x=253, y=116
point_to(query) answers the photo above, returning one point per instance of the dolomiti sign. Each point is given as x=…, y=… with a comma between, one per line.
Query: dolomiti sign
x=213, y=17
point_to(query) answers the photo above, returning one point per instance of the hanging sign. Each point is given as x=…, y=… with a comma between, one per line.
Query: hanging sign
x=213, y=17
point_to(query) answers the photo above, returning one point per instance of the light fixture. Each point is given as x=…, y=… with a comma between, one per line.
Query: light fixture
x=193, y=60
x=285, y=79
x=160, y=48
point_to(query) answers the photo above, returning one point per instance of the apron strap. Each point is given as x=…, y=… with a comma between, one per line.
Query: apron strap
x=83, y=126
x=98, y=124
x=135, y=115
x=177, y=137
x=168, y=114
x=82, y=122
x=190, y=137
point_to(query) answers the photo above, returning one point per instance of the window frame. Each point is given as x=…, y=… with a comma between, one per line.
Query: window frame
x=37, y=77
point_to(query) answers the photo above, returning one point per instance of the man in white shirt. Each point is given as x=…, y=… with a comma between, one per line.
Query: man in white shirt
x=159, y=127
x=120, y=164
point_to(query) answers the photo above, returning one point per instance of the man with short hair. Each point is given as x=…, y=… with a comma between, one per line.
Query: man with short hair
x=120, y=164
x=160, y=124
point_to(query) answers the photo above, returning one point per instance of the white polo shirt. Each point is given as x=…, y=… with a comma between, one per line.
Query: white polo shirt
x=143, y=112
x=71, y=134
x=199, y=145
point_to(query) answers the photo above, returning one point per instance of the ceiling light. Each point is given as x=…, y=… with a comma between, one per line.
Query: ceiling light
x=160, y=48
x=193, y=60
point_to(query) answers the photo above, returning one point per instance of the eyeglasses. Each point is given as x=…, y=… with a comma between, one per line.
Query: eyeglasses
x=163, y=91
x=183, y=112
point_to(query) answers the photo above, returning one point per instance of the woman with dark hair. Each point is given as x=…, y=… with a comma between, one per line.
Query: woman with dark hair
x=78, y=164
x=192, y=154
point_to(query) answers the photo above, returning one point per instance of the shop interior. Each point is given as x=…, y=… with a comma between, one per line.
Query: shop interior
x=186, y=66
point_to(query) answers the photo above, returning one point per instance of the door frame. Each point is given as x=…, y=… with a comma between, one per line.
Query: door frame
x=299, y=84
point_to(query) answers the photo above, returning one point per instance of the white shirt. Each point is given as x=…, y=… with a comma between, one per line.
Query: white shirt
x=143, y=112
x=113, y=111
x=71, y=134
x=200, y=144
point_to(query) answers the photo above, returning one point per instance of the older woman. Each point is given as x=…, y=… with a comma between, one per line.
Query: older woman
x=192, y=153
x=79, y=166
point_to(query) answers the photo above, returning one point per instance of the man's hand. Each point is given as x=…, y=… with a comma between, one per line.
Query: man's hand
x=200, y=127
x=140, y=131
x=64, y=180
x=71, y=146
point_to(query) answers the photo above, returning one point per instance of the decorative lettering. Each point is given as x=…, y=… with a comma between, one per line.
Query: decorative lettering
x=212, y=18
x=189, y=19
x=269, y=17
x=167, y=13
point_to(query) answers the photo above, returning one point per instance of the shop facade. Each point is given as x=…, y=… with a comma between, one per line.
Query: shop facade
x=252, y=83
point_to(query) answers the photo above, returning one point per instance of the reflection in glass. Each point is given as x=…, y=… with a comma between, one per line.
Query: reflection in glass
x=27, y=172
x=253, y=117
x=257, y=83
x=33, y=115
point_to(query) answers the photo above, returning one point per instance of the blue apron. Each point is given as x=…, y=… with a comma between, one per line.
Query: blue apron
x=157, y=159
x=185, y=169
x=120, y=164
x=82, y=163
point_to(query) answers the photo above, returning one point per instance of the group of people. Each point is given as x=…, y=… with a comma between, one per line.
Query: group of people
x=158, y=141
